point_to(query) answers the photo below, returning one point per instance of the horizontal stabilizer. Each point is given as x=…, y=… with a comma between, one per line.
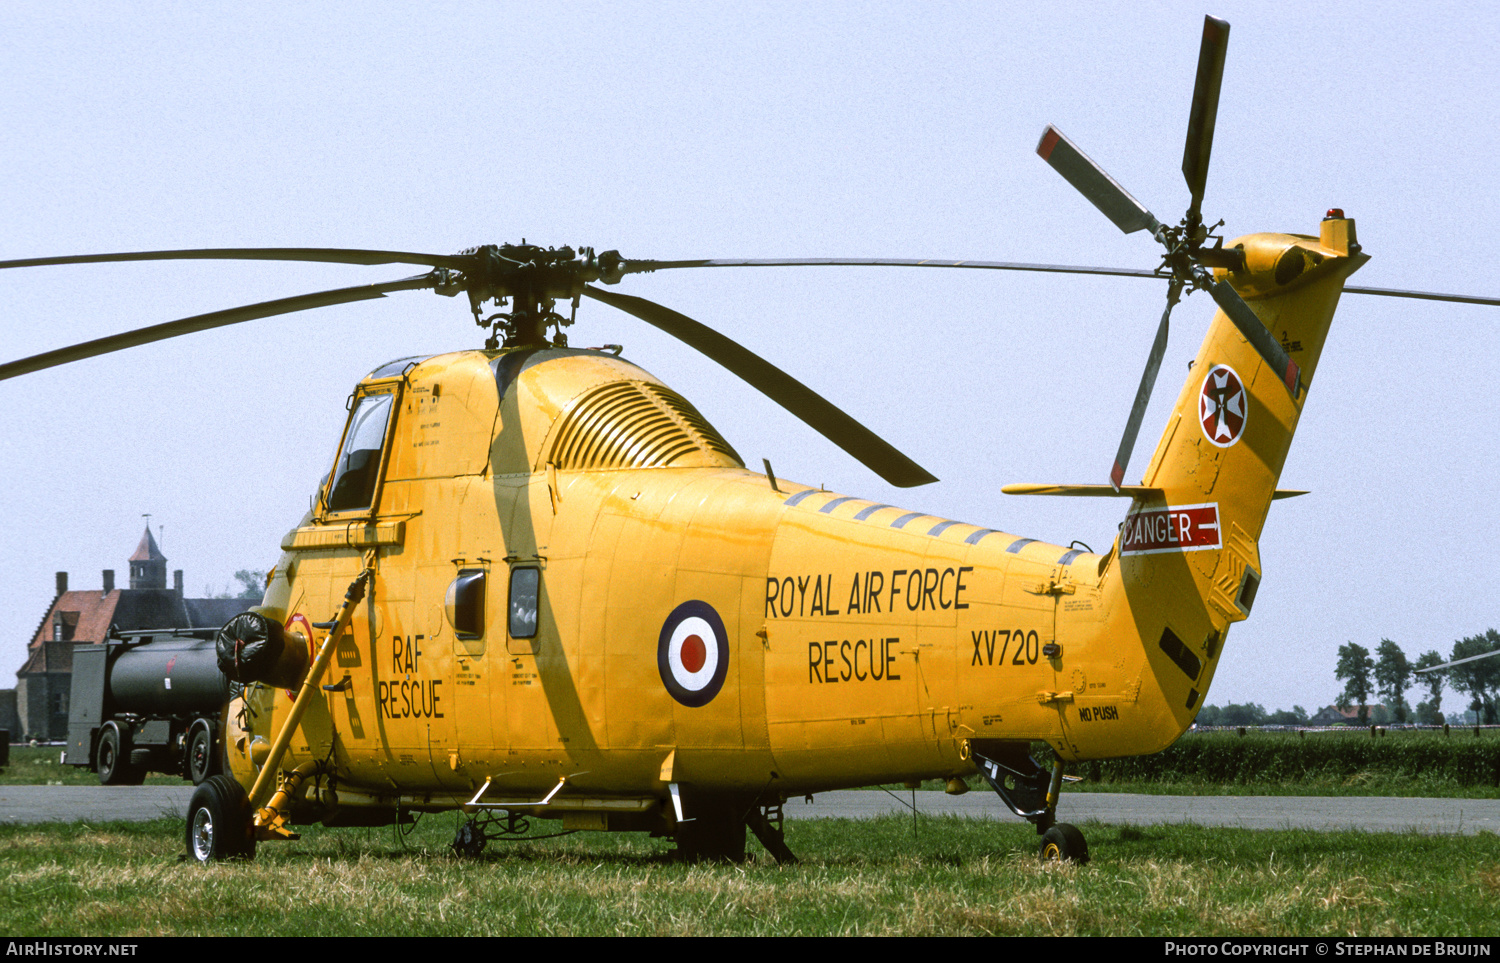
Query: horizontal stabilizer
x=1106, y=491
x=1080, y=491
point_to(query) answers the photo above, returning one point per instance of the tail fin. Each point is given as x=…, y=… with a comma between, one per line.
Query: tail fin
x=1188, y=553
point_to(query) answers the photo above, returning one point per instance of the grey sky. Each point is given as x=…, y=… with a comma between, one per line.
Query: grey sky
x=753, y=130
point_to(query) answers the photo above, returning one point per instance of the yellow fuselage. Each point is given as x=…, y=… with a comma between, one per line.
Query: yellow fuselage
x=862, y=642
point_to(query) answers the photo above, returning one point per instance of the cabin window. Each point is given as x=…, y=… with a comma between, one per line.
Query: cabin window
x=525, y=586
x=358, y=467
x=465, y=604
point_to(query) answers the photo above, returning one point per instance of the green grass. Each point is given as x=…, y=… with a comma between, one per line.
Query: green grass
x=39, y=766
x=876, y=877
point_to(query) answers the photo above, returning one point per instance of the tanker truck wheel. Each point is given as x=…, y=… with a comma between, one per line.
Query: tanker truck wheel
x=201, y=760
x=112, y=761
x=219, y=822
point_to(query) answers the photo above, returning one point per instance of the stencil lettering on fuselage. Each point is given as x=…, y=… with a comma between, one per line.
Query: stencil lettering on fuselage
x=992, y=646
x=860, y=660
x=866, y=593
x=408, y=697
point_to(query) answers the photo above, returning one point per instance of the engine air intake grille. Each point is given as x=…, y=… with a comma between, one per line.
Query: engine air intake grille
x=632, y=424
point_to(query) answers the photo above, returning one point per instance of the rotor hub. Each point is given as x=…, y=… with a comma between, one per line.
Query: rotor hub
x=528, y=280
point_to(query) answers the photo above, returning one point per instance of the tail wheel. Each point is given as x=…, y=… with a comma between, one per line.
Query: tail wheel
x=469, y=841
x=202, y=761
x=1064, y=843
x=112, y=759
x=219, y=822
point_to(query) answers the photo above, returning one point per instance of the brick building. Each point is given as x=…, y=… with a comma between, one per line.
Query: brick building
x=44, y=682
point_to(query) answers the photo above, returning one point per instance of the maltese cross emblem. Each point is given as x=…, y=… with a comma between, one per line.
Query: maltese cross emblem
x=1222, y=406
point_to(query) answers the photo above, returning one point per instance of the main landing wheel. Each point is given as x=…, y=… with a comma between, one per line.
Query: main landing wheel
x=219, y=821
x=1065, y=843
x=714, y=834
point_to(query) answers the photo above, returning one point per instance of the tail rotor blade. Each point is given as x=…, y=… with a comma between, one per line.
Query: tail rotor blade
x=1257, y=334
x=1143, y=393
x=869, y=448
x=1200, y=132
x=1092, y=182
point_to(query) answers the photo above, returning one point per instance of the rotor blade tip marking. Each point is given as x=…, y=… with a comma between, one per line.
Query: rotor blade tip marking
x=1048, y=141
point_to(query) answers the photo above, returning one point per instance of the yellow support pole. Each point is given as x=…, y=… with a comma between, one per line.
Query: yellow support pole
x=264, y=817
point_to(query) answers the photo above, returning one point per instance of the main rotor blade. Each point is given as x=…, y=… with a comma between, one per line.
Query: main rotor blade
x=1092, y=182
x=1200, y=132
x=1423, y=295
x=642, y=267
x=1143, y=393
x=333, y=255
x=203, y=322
x=870, y=449
x=1447, y=665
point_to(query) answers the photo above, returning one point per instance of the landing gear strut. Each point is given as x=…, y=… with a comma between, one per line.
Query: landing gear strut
x=712, y=828
x=766, y=823
x=1032, y=792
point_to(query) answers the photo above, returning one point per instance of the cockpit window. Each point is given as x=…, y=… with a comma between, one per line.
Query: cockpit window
x=358, y=467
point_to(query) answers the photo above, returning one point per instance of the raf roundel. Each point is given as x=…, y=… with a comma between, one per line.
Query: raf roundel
x=1222, y=406
x=693, y=653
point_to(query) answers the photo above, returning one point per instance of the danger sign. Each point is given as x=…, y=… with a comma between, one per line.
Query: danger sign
x=1176, y=528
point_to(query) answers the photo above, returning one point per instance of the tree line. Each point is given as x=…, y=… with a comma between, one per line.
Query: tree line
x=1390, y=675
x=1250, y=714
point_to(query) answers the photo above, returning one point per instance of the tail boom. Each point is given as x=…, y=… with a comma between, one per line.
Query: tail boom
x=1186, y=564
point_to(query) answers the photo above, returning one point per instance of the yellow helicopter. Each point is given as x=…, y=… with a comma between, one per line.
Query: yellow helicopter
x=536, y=583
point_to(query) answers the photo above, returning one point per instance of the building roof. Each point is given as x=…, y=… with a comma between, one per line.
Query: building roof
x=147, y=550
x=212, y=613
x=95, y=611
x=48, y=657
x=91, y=614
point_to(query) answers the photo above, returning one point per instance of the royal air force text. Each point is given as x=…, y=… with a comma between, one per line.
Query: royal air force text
x=917, y=590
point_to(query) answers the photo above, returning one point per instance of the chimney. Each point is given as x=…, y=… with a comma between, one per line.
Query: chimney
x=62, y=582
x=109, y=580
x=177, y=582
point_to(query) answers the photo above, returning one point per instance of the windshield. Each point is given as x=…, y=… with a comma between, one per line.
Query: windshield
x=359, y=463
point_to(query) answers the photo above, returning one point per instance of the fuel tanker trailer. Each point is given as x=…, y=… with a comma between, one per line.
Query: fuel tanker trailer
x=148, y=701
